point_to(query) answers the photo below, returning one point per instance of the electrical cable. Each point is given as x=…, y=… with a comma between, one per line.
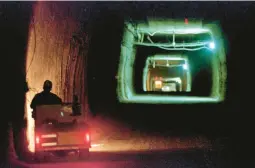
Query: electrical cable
x=179, y=48
x=187, y=49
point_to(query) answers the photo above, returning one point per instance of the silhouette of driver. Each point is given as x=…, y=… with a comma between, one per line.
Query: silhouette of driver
x=45, y=97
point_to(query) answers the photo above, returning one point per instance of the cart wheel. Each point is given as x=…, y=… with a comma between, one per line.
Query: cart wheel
x=84, y=153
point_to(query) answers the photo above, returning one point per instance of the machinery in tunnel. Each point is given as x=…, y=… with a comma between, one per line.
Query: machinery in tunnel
x=202, y=45
x=60, y=130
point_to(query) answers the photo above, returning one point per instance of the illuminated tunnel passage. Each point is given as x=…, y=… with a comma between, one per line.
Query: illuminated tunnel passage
x=199, y=65
x=199, y=46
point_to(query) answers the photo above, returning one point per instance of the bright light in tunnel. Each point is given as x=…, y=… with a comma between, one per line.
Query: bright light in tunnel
x=158, y=84
x=212, y=45
x=185, y=66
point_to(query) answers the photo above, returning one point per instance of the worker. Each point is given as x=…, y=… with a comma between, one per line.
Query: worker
x=45, y=97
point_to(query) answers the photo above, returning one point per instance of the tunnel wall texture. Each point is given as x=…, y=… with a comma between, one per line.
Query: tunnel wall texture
x=57, y=51
x=54, y=51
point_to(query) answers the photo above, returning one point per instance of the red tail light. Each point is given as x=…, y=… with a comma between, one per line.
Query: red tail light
x=87, y=137
x=37, y=140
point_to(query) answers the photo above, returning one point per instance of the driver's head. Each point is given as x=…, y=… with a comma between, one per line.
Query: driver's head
x=47, y=86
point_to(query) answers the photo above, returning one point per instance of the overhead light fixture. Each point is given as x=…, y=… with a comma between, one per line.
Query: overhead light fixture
x=185, y=66
x=212, y=45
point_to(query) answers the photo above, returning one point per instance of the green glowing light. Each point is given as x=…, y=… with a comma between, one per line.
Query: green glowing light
x=212, y=45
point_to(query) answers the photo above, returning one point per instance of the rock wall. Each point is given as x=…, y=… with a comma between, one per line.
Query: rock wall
x=57, y=51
